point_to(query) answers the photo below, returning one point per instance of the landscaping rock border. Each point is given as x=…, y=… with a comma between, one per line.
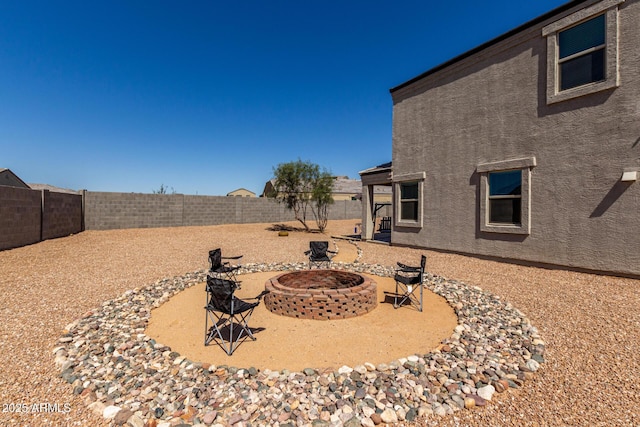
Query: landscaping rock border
x=127, y=377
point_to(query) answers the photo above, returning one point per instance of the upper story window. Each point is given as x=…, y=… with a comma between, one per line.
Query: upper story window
x=582, y=52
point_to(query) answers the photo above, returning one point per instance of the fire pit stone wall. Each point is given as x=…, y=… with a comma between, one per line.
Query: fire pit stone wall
x=303, y=294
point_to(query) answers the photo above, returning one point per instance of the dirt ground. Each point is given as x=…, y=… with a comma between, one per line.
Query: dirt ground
x=282, y=342
x=591, y=323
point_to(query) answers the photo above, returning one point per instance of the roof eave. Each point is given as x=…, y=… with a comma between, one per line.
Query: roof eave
x=491, y=42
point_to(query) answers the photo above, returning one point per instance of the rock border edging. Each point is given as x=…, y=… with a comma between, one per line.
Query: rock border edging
x=126, y=376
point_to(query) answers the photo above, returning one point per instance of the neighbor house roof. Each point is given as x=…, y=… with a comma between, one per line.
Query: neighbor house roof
x=269, y=188
x=354, y=186
x=341, y=185
x=344, y=185
x=241, y=190
x=10, y=179
x=492, y=42
x=53, y=188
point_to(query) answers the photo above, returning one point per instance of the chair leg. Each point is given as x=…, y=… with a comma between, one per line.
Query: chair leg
x=395, y=297
x=214, y=333
x=244, y=324
x=414, y=299
x=230, y=352
x=206, y=327
x=406, y=293
x=401, y=293
x=242, y=321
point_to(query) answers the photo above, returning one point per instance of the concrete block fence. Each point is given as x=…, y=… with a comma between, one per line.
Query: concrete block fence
x=30, y=216
x=104, y=211
x=61, y=214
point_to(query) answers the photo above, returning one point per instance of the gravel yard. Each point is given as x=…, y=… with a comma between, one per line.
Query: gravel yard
x=590, y=323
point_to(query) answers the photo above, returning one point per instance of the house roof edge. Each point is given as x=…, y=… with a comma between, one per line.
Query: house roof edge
x=489, y=43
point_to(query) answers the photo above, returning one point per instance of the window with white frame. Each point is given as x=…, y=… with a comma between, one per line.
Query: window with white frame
x=409, y=201
x=582, y=52
x=408, y=191
x=505, y=201
x=505, y=197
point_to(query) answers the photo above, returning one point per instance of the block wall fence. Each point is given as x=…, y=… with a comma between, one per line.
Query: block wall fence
x=30, y=216
x=105, y=211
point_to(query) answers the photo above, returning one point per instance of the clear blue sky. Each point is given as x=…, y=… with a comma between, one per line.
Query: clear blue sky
x=208, y=96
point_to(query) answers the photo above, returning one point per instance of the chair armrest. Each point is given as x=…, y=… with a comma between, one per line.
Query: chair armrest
x=262, y=294
x=307, y=252
x=232, y=257
x=407, y=268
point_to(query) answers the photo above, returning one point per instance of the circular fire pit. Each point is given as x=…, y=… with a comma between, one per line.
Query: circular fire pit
x=321, y=294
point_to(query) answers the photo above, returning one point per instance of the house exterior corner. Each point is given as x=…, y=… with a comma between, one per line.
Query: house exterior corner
x=499, y=153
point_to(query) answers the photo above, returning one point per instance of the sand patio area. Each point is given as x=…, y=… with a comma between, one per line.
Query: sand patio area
x=383, y=335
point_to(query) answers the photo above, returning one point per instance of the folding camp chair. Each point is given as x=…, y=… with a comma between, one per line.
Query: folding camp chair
x=319, y=254
x=229, y=315
x=222, y=269
x=409, y=282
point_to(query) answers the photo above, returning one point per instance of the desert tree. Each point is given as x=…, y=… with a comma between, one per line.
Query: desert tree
x=164, y=190
x=300, y=185
x=321, y=198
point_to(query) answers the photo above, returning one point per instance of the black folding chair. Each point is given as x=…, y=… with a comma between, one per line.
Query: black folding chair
x=229, y=315
x=409, y=283
x=222, y=269
x=319, y=254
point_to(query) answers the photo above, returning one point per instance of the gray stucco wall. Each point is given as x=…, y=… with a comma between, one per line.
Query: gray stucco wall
x=492, y=107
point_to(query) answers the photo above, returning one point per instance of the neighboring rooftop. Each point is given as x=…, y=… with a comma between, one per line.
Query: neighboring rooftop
x=341, y=185
x=10, y=179
x=241, y=192
x=53, y=188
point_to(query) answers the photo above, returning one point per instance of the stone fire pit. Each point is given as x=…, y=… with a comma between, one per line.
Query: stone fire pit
x=321, y=294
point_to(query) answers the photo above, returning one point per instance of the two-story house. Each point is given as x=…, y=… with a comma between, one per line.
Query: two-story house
x=526, y=148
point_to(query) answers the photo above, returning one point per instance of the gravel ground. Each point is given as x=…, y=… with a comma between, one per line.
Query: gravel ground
x=590, y=323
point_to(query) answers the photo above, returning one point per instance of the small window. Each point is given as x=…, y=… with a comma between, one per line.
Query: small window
x=505, y=197
x=409, y=201
x=582, y=53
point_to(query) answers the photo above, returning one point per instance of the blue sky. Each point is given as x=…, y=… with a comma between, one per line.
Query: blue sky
x=206, y=97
